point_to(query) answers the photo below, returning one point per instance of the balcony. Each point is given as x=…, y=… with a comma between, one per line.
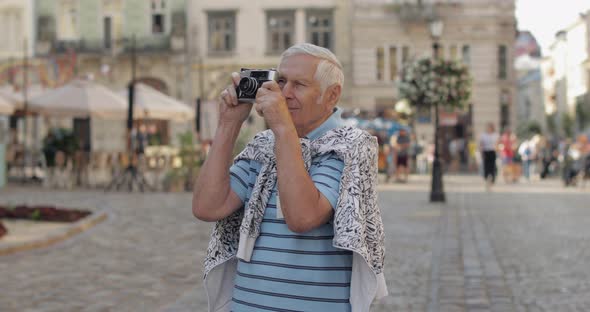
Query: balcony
x=413, y=11
x=419, y=11
x=151, y=44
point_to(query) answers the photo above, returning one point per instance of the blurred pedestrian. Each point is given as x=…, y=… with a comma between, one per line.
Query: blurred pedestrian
x=507, y=146
x=527, y=152
x=473, y=158
x=488, y=144
x=422, y=157
x=389, y=152
x=402, y=155
x=415, y=149
x=547, y=155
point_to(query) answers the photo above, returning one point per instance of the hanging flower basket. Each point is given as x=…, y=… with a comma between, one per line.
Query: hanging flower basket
x=426, y=82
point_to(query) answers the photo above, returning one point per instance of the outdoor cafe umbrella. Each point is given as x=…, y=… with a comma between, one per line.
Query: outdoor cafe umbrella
x=17, y=98
x=80, y=98
x=153, y=104
x=6, y=108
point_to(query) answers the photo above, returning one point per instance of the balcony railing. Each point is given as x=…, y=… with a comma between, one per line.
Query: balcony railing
x=152, y=44
x=418, y=10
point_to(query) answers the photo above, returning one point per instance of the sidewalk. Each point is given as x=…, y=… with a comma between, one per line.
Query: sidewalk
x=521, y=247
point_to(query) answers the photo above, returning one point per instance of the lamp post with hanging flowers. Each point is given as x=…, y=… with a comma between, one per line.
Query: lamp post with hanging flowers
x=433, y=82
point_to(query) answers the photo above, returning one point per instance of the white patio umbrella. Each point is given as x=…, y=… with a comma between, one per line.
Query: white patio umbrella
x=153, y=104
x=17, y=98
x=80, y=98
x=6, y=108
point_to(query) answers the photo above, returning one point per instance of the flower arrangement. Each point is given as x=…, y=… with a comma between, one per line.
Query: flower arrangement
x=426, y=82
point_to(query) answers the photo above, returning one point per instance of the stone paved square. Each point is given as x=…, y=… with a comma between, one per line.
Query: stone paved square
x=521, y=247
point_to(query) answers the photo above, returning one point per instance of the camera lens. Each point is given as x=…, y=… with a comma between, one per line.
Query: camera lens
x=248, y=85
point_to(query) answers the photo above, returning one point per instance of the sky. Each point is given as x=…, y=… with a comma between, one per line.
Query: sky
x=545, y=17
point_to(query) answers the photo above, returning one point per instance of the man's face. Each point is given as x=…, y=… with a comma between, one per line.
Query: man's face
x=303, y=92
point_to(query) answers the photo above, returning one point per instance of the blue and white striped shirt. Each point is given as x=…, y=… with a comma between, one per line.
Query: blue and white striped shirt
x=290, y=271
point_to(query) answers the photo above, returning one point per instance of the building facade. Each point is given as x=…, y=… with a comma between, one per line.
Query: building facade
x=101, y=35
x=113, y=42
x=386, y=34
x=227, y=35
x=530, y=104
x=566, y=75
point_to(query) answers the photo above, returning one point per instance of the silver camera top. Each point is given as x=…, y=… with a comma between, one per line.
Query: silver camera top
x=251, y=80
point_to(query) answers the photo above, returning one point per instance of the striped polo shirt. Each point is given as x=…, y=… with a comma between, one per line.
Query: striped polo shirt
x=292, y=271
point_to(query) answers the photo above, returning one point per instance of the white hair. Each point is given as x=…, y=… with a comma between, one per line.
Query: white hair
x=329, y=70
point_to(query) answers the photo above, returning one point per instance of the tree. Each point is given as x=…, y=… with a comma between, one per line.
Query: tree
x=582, y=114
x=528, y=129
x=551, y=123
x=567, y=123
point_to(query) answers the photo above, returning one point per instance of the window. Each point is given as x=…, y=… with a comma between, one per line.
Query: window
x=405, y=54
x=320, y=28
x=157, y=23
x=453, y=52
x=439, y=51
x=502, y=62
x=392, y=63
x=380, y=64
x=158, y=16
x=504, y=109
x=466, y=55
x=11, y=36
x=222, y=29
x=107, y=30
x=67, y=27
x=280, y=30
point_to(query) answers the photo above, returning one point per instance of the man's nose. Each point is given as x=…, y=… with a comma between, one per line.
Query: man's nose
x=288, y=90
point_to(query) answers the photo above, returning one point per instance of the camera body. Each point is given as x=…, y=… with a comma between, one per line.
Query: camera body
x=250, y=82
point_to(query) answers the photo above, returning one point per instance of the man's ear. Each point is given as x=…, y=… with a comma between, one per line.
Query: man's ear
x=332, y=95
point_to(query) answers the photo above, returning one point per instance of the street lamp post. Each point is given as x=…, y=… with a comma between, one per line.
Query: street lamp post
x=437, y=193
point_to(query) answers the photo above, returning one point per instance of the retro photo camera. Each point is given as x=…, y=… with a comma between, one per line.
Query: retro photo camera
x=250, y=82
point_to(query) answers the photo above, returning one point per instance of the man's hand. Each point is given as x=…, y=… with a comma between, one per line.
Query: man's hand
x=272, y=105
x=230, y=110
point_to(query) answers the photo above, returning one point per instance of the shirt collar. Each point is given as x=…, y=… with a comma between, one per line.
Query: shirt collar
x=334, y=121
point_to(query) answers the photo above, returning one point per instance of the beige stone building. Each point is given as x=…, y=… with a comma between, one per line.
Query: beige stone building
x=372, y=38
x=227, y=35
x=98, y=39
x=566, y=75
x=480, y=33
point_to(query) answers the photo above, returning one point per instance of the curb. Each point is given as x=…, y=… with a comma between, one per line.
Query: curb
x=57, y=236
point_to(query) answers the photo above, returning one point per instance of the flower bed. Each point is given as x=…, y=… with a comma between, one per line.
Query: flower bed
x=40, y=213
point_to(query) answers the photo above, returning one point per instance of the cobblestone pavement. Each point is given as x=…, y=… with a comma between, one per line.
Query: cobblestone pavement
x=521, y=247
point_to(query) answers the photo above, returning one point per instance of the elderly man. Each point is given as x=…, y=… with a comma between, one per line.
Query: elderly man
x=298, y=228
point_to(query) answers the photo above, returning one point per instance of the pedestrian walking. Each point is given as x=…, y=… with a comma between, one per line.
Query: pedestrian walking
x=527, y=152
x=548, y=155
x=286, y=238
x=415, y=150
x=507, y=149
x=422, y=156
x=402, y=155
x=488, y=143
